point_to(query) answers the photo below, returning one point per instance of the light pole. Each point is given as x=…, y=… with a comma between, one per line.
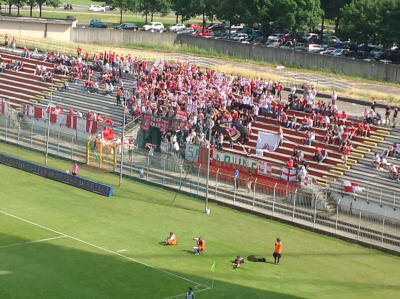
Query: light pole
x=206, y=210
x=122, y=148
x=48, y=127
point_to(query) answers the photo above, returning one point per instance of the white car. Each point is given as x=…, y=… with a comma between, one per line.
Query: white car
x=154, y=27
x=314, y=48
x=97, y=8
x=177, y=27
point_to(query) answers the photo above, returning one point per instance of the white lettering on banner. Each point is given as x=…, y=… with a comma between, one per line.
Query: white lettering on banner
x=267, y=142
x=192, y=153
x=227, y=159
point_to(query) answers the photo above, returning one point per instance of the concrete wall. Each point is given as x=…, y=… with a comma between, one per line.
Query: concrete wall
x=380, y=71
x=116, y=37
x=60, y=32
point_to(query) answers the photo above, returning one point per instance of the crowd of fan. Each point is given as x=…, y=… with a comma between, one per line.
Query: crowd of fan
x=206, y=98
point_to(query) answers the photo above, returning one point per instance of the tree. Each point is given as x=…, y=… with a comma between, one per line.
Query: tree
x=389, y=22
x=184, y=8
x=10, y=4
x=52, y=3
x=31, y=4
x=206, y=8
x=360, y=21
x=154, y=6
x=19, y=4
x=123, y=6
x=297, y=16
x=332, y=11
x=234, y=11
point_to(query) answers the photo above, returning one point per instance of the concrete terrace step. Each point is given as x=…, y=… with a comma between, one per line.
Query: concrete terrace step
x=16, y=77
x=68, y=103
x=6, y=81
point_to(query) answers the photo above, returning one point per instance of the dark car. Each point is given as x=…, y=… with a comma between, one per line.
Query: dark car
x=127, y=26
x=97, y=24
x=71, y=18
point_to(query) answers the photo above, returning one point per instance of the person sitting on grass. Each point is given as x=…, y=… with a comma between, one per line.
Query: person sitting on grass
x=171, y=240
x=238, y=260
x=201, y=245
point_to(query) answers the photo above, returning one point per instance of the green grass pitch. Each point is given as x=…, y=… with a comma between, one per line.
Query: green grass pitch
x=57, y=241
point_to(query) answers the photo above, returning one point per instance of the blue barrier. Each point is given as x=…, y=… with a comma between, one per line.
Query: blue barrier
x=57, y=175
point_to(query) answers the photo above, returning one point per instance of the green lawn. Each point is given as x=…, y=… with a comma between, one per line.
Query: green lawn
x=136, y=219
x=110, y=17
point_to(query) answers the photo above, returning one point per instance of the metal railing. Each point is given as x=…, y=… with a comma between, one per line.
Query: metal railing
x=305, y=207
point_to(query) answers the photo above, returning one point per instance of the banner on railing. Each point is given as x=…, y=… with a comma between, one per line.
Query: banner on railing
x=192, y=153
x=306, y=181
x=288, y=174
x=72, y=121
x=264, y=168
x=231, y=161
x=3, y=106
x=146, y=122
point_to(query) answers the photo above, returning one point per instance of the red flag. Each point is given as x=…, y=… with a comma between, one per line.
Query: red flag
x=38, y=113
x=146, y=122
x=164, y=125
x=351, y=187
x=2, y=107
x=71, y=121
x=91, y=126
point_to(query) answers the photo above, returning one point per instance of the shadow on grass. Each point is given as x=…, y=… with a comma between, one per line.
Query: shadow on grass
x=66, y=268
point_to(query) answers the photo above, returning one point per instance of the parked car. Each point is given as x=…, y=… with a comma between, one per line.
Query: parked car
x=216, y=27
x=273, y=42
x=339, y=52
x=97, y=24
x=127, y=26
x=195, y=27
x=327, y=51
x=239, y=37
x=97, y=8
x=177, y=27
x=186, y=31
x=258, y=40
x=71, y=18
x=154, y=27
x=314, y=48
x=201, y=33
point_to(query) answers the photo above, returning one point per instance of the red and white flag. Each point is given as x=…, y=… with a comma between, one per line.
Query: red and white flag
x=351, y=187
x=3, y=106
x=264, y=168
x=288, y=174
x=71, y=121
x=306, y=181
x=91, y=126
x=27, y=110
x=38, y=112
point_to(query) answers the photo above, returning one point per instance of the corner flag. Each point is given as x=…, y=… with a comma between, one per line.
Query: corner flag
x=213, y=267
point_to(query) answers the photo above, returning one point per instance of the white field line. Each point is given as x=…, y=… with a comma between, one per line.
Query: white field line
x=184, y=294
x=106, y=250
x=121, y=250
x=31, y=242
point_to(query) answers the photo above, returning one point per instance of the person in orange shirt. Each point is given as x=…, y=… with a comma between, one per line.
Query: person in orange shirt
x=171, y=240
x=201, y=245
x=278, y=251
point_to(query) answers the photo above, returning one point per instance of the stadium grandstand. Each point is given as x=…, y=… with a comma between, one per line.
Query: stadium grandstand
x=92, y=85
